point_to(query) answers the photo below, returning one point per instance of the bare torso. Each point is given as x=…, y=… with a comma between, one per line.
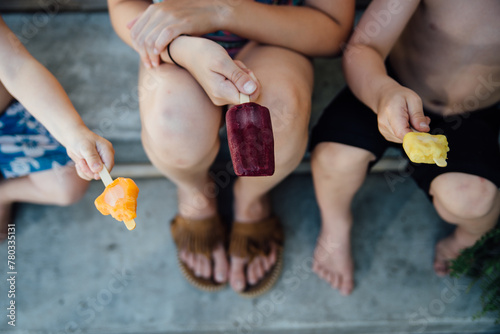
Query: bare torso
x=449, y=54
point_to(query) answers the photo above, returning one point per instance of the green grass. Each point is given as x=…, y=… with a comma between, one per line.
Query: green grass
x=481, y=262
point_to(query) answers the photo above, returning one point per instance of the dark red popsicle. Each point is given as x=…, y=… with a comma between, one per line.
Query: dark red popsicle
x=250, y=137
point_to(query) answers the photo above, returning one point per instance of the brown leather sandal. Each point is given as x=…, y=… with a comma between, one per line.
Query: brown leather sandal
x=251, y=240
x=198, y=237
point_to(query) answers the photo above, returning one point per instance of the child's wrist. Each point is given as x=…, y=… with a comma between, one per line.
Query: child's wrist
x=73, y=132
x=170, y=54
x=385, y=86
x=178, y=51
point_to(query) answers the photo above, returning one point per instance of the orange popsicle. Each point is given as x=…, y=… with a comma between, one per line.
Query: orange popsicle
x=119, y=199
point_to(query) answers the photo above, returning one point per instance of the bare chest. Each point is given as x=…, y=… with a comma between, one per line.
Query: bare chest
x=448, y=49
x=474, y=22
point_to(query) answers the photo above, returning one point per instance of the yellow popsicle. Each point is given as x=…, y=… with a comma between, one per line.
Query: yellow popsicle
x=426, y=148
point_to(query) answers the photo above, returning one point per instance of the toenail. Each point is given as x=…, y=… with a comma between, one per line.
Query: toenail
x=220, y=277
x=239, y=285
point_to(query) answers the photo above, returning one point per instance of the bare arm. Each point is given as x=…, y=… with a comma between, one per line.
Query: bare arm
x=122, y=12
x=366, y=75
x=39, y=91
x=317, y=29
x=32, y=84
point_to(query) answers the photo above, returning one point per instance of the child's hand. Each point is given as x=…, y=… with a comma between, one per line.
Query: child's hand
x=89, y=151
x=161, y=23
x=398, y=109
x=221, y=77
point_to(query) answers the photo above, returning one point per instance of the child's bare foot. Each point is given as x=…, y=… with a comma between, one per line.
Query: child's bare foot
x=197, y=206
x=332, y=259
x=241, y=272
x=449, y=248
x=5, y=219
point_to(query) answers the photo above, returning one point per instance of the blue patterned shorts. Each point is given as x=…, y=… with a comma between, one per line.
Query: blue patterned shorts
x=26, y=146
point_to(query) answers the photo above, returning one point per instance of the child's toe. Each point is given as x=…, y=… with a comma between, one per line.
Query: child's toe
x=220, y=265
x=237, y=275
x=206, y=270
x=252, y=272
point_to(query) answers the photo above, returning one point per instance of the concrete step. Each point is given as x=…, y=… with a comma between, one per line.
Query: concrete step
x=79, y=271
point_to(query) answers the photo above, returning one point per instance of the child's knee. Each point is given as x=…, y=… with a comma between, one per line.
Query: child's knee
x=177, y=137
x=340, y=157
x=290, y=110
x=163, y=122
x=464, y=195
x=71, y=188
x=71, y=196
x=175, y=154
x=290, y=116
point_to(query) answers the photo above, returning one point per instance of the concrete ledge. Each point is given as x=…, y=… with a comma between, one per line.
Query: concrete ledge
x=146, y=170
x=53, y=6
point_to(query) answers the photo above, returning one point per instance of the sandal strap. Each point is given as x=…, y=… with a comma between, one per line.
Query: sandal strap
x=249, y=240
x=198, y=236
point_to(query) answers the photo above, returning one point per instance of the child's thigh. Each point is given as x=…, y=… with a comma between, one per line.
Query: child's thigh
x=287, y=84
x=174, y=106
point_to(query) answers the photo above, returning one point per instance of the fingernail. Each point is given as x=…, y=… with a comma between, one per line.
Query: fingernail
x=155, y=64
x=249, y=87
x=148, y=66
x=424, y=125
x=156, y=52
x=96, y=165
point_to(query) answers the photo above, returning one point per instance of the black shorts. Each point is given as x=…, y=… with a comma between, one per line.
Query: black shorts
x=473, y=138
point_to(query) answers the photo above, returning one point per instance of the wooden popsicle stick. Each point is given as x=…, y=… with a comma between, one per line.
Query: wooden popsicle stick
x=105, y=176
x=107, y=180
x=244, y=98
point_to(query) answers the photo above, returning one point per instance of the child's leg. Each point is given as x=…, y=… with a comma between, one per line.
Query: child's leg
x=54, y=187
x=344, y=142
x=286, y=79
x=180, y=135
x=338, y=172
x=468, y=201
